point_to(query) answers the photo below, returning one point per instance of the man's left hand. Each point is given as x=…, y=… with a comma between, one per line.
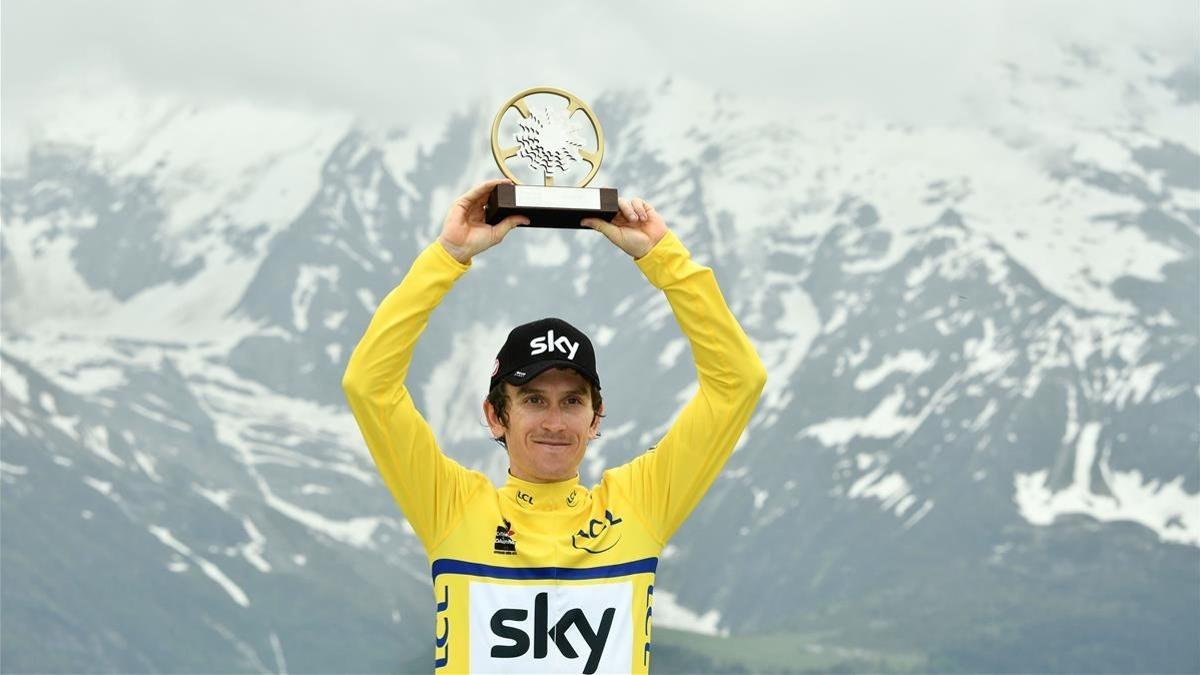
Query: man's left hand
x=636, y=228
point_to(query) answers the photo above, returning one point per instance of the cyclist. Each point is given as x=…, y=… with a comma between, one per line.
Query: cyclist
x=544, y=574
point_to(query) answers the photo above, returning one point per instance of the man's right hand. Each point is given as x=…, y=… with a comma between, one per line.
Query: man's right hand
x=465, y=233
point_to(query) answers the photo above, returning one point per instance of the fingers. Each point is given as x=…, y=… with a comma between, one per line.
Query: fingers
x=508, y=225
x=635, y=209
x=501, y=229
x=641, y=207
x=626, y=238
x=626, y=209
x=477, y=193
x=600, y=225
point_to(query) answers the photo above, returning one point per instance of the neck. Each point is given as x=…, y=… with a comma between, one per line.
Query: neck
x=545, y=496
x=530, y=478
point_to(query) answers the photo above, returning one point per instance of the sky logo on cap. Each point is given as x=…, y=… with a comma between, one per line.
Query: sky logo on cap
x=547, y=343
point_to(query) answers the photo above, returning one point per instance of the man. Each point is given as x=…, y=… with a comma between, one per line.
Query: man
x=543, y=574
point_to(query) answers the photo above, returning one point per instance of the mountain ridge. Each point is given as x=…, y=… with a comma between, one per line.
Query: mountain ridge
x=964, y=427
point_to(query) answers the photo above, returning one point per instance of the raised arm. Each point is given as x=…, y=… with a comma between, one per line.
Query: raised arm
x=429, y=487
x=669, y=480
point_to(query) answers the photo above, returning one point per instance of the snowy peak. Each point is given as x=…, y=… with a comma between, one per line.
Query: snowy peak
x=981, y=339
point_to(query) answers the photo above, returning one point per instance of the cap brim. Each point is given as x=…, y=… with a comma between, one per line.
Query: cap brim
x=542, y=366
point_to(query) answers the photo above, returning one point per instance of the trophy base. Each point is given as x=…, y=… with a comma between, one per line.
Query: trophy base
x=551, y=206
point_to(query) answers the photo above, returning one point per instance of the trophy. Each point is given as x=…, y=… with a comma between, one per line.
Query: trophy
x=553, y=144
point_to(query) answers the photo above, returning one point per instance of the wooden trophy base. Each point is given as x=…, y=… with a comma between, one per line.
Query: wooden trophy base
x=551, y=206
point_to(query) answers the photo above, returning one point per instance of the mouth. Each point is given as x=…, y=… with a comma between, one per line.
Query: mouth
x=557, y=445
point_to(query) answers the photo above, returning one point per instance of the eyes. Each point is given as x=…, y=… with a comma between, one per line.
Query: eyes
x=539, y=400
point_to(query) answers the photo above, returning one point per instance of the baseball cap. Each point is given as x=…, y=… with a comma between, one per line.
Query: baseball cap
x=537, y=346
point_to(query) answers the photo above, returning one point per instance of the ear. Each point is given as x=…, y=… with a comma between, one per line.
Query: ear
x=596, y=422
x=494, y=424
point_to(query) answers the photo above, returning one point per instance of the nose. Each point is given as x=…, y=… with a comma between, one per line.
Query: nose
x=553, y=420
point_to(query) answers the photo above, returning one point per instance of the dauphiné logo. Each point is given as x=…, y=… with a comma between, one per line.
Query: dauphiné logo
x=505, y=544
x=548, y=343
x=551, y=629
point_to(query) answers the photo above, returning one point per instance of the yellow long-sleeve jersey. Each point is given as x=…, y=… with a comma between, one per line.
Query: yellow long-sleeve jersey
x=535, y=578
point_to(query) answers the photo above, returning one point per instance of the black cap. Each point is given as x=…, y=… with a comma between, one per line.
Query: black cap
x=534, y=347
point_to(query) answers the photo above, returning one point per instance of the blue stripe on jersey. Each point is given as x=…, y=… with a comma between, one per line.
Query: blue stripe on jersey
x=449, y=566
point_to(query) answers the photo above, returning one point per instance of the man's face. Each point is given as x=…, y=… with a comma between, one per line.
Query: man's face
x=550, y=422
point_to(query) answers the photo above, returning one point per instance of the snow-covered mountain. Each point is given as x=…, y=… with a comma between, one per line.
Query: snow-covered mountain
x=977, y=449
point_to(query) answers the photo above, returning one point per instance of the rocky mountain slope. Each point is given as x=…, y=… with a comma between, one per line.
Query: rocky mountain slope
x=977, y=449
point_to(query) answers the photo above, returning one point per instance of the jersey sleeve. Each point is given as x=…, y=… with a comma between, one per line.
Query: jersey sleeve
x=429, y=487
x=669, y=480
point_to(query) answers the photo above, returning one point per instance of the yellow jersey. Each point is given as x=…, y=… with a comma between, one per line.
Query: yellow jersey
x=550, y=578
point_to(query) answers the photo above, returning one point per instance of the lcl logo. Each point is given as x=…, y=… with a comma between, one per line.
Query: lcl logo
x=586, y=539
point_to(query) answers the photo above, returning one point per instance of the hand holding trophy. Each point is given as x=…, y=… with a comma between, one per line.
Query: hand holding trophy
x=550, y=140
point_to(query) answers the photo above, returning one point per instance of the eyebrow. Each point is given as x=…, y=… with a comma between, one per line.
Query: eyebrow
x=526, y=389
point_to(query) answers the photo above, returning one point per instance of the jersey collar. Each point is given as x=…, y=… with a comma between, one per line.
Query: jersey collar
x=563, y=495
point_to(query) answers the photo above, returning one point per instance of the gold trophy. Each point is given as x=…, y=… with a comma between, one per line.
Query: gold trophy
x=553, y=143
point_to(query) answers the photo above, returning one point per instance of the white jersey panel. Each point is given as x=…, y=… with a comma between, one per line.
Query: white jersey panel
x=551, y=629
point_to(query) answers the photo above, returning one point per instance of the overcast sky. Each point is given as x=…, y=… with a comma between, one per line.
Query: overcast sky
x=406, y=60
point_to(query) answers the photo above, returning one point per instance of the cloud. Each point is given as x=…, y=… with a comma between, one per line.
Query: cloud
x=419, y=61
